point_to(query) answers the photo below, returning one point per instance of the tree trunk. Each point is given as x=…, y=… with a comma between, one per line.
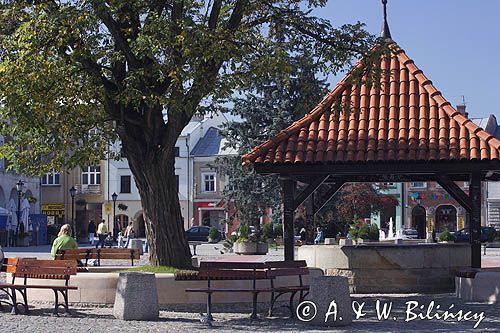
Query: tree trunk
x=156, y=182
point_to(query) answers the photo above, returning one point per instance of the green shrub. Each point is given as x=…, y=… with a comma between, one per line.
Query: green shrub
x=228, y=244
x=278, y=230
x=364, y=232
x=243, y=231
x=446, y=236
x=267, y=231
x=214, y=233
x=373, y=233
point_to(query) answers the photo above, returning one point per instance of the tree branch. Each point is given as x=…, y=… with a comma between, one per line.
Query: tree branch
x=237, y=15
x=214, y=14
x=114, y=28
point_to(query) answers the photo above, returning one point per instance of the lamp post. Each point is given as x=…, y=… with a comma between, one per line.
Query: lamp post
x=114, y=196
x=19, y=187
x=72, y=192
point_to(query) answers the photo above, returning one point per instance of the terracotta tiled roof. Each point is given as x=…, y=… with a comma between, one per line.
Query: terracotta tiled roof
x=405, y=118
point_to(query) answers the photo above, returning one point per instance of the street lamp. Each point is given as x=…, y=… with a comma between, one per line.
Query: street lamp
x=114, y=196
x=72, y=192
x=19, y=187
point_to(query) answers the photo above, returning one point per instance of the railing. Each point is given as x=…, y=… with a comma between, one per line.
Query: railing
x=88, y=189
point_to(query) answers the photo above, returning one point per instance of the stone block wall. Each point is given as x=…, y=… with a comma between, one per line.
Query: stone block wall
x=381, y=268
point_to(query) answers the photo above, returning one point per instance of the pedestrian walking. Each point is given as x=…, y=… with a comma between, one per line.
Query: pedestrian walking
x=319, y=235
x=102, y=232
x=129, y=233
x=91, y=231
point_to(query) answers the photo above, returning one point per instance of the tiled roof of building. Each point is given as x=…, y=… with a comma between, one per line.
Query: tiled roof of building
x=405, y=118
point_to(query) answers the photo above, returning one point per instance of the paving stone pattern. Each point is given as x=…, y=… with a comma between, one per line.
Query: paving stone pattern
x=235, y=318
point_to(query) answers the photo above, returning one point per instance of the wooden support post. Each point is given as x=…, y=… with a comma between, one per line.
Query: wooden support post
x=309, y=225
x=475, y=219
x=288, y=192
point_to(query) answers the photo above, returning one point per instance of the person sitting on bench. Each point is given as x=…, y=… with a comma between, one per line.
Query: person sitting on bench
x=63, y=241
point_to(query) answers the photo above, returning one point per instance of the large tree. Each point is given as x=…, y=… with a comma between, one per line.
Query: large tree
x=76, y=75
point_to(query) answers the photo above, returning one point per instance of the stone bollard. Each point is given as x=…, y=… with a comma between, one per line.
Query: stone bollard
x=136, y=297
x=330, y=295
x=136, y=244
x=345, y=242
x=330, y=241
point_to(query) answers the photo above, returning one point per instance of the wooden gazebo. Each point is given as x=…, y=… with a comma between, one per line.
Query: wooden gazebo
x=401, y=130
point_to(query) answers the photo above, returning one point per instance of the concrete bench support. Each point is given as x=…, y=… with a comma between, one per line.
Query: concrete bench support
x=484, y=287
x=136, y=297
x=330, y=295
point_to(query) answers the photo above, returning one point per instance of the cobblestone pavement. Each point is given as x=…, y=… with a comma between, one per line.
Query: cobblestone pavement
x=100, y=319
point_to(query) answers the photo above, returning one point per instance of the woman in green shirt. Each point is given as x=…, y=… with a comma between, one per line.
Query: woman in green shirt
x=63, y=241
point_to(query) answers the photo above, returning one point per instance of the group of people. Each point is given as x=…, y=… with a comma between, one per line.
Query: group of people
x=64, y=240
x=102, y=233
x=317, y=239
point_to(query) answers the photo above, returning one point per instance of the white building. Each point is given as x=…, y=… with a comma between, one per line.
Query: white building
x=121, y=181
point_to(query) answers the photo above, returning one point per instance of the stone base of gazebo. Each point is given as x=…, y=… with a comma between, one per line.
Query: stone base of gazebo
x=384, y=268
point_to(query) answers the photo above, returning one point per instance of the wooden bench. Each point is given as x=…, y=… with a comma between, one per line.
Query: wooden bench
x=24, y=269
x=297, y=269
x=98, y=254
x=216, y=270
x=211, y=271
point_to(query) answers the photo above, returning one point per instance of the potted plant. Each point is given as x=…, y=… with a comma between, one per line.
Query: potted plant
x=446, y=236
x=365, y=233
x=245, y=244
x=214, y=235
x=263, y=236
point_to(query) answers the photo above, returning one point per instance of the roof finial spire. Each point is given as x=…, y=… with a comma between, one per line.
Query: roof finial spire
x=385, y=33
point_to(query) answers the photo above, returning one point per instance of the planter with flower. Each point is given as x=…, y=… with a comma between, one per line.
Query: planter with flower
x=446, y=237
x=364, y=233
x=244, y=242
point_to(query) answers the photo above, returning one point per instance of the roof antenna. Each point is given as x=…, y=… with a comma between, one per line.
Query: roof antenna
x=385, y=33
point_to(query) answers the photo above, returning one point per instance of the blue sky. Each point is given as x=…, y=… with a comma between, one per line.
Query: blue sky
x=455, y=42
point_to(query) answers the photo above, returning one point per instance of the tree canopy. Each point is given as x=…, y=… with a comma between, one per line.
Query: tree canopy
x=76, y=75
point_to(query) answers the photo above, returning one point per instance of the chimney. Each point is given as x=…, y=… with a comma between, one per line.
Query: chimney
x=461, y=109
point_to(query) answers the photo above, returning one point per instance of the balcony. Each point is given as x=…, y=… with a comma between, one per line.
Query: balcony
x=94, y=189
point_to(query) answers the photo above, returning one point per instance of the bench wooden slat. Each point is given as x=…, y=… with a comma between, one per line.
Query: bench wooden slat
x=287, y=272
x=114, y=250
x=118, y=256
x=71, y=257
x=226, y=273
x=231, y=265
x=285, y=264
x=27, y=270
x=77, y=251
x=105, y=253
x=46, y=263
x=236, y=290
x=34, y=286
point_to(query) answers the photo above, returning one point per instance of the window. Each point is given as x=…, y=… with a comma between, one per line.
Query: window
x=208, y=182
x=228, y=184
x=418, y=184
x=125, y=184
x=176, y=151
x=91, y=175
x=51, y=178
x=466, y=185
